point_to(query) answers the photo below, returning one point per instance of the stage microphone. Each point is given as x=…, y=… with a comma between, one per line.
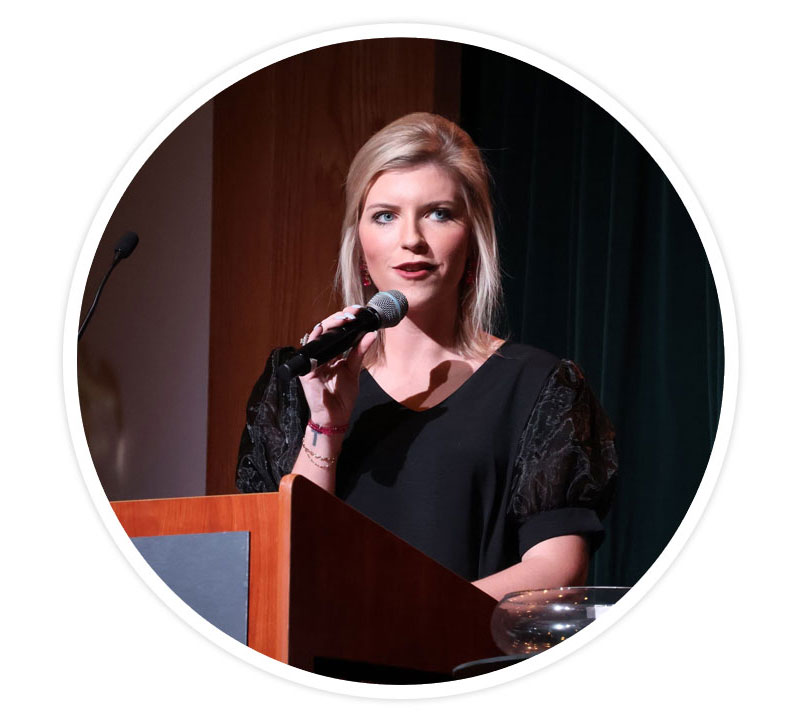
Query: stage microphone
x=385, y=309
x=126, y=245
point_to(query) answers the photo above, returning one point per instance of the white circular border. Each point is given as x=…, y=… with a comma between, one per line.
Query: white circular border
x=467, y=37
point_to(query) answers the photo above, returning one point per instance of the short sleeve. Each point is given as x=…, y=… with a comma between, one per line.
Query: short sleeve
x=276, y=417
x=566, y=463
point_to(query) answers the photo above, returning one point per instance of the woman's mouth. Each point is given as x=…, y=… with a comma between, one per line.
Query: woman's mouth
x=415, y=270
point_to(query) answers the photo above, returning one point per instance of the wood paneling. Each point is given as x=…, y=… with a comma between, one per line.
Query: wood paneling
x=283, y=140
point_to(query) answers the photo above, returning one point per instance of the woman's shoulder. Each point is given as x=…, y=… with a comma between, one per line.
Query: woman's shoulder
x=544, y=373
x=528, y=355
x=559, y=376
x=279, y=354
x=522, y=370
x=268, y=385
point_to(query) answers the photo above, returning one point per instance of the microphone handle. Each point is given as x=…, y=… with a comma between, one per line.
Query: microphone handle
x=330, y=344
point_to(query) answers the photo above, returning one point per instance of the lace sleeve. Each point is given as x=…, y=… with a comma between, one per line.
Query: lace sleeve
x=276, y=417
x=566, y=463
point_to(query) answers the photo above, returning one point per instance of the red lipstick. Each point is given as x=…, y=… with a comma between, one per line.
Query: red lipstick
x=414, y=270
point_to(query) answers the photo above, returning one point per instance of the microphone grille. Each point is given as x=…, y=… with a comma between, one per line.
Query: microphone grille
x=391, y=305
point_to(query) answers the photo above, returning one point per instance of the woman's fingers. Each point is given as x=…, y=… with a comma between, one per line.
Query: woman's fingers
x=356, y=357
x=338, y=319
x=331, y=389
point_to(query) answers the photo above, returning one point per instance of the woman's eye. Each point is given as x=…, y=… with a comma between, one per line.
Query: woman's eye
x=441, y=214
x=383, y=217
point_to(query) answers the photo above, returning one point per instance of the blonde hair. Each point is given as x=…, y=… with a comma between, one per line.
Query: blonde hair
x=410, y=141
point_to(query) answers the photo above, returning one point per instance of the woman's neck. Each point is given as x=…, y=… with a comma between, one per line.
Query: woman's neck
x=421, y=365
x=424, y=336
x=409, y=342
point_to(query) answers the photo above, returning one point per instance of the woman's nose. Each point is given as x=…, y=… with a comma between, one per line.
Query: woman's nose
x=412, y=237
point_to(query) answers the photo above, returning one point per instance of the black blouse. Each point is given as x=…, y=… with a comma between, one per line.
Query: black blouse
x=521, y=452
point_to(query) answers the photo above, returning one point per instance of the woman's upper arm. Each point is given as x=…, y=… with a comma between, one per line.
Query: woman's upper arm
x=566, y=464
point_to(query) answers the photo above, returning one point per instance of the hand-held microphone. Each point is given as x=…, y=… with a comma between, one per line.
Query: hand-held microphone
x=126, y=245
x=385, y=309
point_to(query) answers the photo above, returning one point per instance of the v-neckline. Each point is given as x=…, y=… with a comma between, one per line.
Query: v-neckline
x=466, y=382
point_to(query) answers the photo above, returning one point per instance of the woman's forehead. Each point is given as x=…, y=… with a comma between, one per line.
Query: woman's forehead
x=417, y=183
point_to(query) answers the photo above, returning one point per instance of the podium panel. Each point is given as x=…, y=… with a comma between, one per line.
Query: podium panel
x=330, y=591
x=208, y=571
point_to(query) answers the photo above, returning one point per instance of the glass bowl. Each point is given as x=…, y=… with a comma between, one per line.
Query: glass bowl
x=531, y=621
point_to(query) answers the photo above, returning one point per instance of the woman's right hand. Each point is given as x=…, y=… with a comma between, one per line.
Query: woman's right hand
x=331, y=389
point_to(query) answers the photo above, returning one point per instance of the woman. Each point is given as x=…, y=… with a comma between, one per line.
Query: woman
x=493, y=458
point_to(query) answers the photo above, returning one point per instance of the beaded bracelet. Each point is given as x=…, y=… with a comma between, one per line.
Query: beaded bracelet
x=325, y=430
x=328, y=429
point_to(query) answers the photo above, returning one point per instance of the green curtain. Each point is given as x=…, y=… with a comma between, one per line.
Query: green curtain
x=603, y=265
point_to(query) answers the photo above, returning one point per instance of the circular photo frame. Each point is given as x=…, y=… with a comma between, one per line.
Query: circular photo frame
x=237, y=198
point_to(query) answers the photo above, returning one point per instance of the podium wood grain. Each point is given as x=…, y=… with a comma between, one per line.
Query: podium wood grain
x=326, y=582
x=360, y=593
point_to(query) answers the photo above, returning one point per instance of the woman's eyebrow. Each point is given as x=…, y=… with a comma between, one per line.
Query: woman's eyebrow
x=390, y=206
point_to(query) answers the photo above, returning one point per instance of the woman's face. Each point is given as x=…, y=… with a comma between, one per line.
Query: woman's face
x=414, y=235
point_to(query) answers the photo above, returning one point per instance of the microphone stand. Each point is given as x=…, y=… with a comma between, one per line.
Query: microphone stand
x=124, y=248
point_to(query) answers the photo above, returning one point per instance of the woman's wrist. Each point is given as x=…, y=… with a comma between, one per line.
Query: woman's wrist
x=331, y=428
x=321, y=445
x=325, y=419
x=327, y=427
x=326, y=434
x=321, y=461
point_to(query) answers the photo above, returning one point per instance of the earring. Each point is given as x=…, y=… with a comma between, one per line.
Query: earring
x=469, y=272
x=366, y=280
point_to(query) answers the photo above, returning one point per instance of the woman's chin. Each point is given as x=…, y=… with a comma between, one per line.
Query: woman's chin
x=425, y=296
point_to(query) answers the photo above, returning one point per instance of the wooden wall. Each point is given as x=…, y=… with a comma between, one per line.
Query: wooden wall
x=283, y=140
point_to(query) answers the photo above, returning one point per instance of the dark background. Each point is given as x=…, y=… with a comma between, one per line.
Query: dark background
x=604, y=266
x=239, y=212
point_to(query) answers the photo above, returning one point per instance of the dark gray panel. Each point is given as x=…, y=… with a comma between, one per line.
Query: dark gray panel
x=208, y=571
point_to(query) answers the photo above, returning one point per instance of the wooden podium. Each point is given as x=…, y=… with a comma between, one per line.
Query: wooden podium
x=332, y=592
